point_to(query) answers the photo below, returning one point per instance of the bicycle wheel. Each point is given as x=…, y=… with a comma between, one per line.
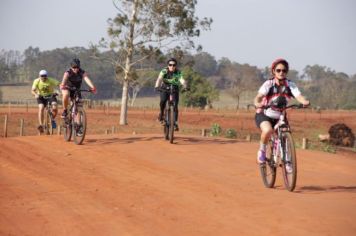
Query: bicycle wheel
x=289, y=163
x=171, y=125
x=268, y=169
x=80, y=126
x=166, y=123
x=48, y=129
x=68, y=128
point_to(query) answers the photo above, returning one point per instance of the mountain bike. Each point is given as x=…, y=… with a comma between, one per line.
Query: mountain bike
x=48, y=115
x=75, y=124
x=280, y=152
x=169, y=113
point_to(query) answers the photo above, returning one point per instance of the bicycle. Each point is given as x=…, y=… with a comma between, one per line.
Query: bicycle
x=48, y=121
x=169, y=113
x=280, y=152
x=75, y=124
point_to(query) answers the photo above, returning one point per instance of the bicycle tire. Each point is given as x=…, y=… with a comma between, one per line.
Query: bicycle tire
x=171, y=125
x=48, y=129
x=289, y=157
x=166, y=123
x=67, y=128
x=79, y=129
x=268, y=169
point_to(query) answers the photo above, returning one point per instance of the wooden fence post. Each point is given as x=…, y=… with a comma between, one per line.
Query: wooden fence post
x=21, y=127
x=5, y=126
x=305, y=143
x=113, y=130
x=248, y=138
x=203, y=132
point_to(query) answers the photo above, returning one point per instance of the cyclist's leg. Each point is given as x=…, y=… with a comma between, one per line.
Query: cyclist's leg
x=162, y=104
x=265, y=124
x=65, y=101
x=40, y=114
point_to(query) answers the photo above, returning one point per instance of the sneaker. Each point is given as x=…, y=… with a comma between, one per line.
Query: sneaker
x=40, y=128
x=54, y=125
x=289, y=168
x=261, y=157
x=176, y=128
x=64, y=114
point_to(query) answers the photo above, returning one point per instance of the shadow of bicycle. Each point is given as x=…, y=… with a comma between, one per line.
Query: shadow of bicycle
x=321, y=189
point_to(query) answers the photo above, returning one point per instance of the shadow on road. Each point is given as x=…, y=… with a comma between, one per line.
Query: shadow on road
x=319, y=189
x=177, y=140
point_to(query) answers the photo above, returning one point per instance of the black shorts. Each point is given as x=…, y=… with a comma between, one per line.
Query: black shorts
x=42, y=100
x=260, y=117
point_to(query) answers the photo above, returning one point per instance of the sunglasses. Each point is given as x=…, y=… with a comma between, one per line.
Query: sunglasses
x=171, y=64
x=75, y=67
x=281, y=70
x=43, y=76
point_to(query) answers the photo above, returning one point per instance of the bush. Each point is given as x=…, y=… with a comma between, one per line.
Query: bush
x=231, y=133
x=215, y=130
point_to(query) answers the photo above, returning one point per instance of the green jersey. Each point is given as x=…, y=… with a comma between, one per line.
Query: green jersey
x=174, y=78
x=45, y=88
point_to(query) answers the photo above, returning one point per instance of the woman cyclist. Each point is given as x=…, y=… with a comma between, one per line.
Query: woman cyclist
x=273, y=91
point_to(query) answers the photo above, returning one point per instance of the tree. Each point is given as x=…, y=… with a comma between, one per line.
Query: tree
x=201, y=92
x=142, y=29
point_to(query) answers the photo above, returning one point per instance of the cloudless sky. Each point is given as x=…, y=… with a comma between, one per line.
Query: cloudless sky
x=305, y=32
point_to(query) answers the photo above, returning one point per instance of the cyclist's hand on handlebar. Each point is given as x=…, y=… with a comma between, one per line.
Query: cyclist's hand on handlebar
x=93, y=90
x=157, y=89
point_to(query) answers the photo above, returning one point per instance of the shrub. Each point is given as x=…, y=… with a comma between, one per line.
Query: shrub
x=231, y=133
x=215, y=130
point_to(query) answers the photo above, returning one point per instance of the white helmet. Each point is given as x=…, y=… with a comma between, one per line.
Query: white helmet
x=43, y=73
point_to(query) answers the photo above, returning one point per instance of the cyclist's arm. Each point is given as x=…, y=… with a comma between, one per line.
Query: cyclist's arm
x=258, y=100
x=64, y=80
x=34, y=89
x=88, y=81
x=159, y=80
x=302, y=100
x=183, y=82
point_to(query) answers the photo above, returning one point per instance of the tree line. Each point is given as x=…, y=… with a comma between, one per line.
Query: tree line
x=207, y=76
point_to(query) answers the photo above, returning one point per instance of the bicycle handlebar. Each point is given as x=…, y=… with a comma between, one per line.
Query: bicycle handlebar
x=293, y=106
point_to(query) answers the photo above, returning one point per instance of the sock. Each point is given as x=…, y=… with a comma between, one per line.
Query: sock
x=263, y=147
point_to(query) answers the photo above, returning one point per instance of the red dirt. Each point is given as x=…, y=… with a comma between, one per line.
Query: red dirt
x=142, y=185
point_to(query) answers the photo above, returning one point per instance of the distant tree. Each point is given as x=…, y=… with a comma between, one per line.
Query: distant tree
x=143, y=28
x=201, y=92
x=205, y=64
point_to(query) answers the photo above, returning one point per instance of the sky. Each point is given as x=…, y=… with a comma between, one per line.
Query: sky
x=305, y=32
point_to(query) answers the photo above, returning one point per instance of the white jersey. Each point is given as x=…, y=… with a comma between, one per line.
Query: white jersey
x=271, y=91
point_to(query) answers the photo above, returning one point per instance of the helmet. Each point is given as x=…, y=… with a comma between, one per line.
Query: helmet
x=172, y=59
x=43, y=73
x=278, y=61
x=75, y=63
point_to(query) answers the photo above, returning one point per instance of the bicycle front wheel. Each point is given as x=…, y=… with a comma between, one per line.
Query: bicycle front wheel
x=80, y=126
x=48, y=129
x=289, y=163
x=268, y=169
x=171, y=125
x=67, y=128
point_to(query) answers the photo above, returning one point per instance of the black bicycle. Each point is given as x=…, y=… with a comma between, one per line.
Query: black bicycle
x=75, y=124
x=48, y=121
x=169, y=113
x=281, y=152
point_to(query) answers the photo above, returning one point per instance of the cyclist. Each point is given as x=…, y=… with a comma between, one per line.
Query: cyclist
x=73, y=77
x=42, y=88
x=274, y=91
x=167, y=76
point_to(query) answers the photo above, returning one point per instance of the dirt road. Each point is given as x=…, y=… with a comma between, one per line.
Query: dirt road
x=142, y=185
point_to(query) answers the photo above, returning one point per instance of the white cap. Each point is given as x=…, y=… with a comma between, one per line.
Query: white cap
x=43, y=72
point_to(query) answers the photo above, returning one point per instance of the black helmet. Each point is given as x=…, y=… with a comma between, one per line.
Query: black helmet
x=172, y=59
x=75, y=63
